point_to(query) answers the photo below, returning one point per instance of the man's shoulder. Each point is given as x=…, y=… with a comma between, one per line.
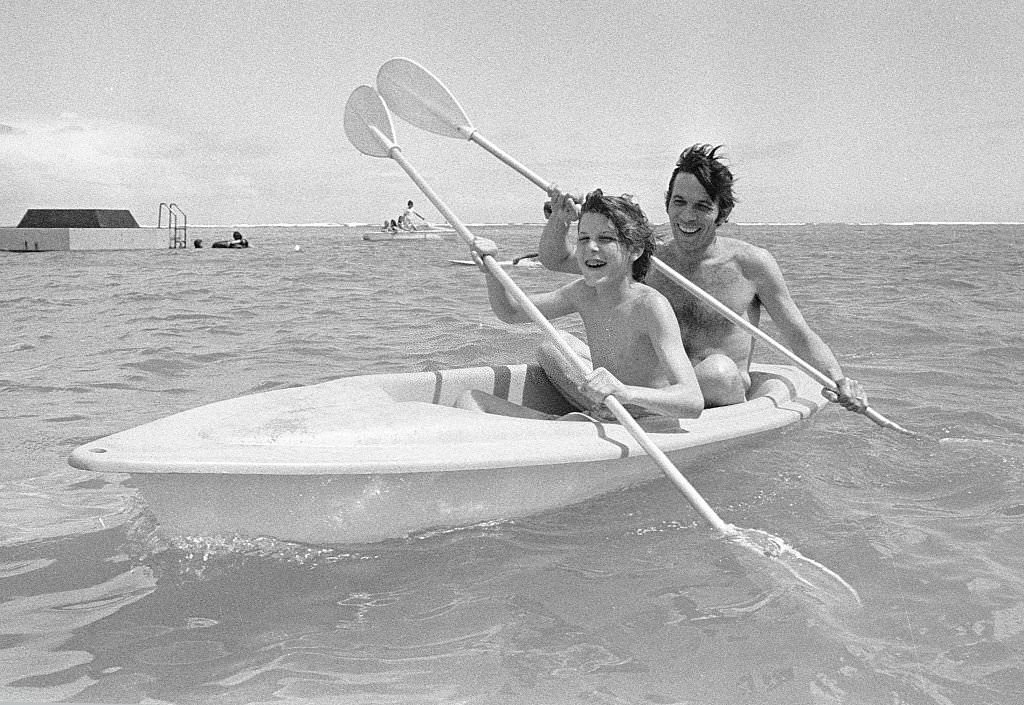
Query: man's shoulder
x=736, y=246
x=747, y=255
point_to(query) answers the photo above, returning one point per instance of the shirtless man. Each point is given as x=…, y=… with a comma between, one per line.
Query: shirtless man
x=740, y=275
x=635, y=342
x=405, y=221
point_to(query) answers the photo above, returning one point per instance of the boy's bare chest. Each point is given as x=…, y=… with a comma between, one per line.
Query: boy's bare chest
x=613, y=332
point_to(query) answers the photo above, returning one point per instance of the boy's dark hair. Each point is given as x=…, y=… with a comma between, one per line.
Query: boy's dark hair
x=703, y=161
x=630, y=223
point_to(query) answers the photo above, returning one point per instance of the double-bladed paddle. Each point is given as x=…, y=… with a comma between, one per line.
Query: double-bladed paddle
x=369, y=128
x=419, y=98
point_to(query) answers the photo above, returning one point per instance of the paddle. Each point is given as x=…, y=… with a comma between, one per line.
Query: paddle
x=369, y=128
x=419, y=98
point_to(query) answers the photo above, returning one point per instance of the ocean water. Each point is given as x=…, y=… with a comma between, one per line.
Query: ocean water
x=625, y=599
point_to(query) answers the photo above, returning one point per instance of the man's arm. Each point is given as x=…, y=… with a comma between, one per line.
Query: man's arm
x=773, y=293
x=558, y=242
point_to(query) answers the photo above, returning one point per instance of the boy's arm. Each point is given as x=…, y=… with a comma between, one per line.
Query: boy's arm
x=682, y=398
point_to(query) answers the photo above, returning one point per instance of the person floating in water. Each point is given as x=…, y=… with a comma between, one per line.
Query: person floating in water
x=236, y=242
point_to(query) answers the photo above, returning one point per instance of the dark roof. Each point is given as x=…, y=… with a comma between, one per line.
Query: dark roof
x=76, y=218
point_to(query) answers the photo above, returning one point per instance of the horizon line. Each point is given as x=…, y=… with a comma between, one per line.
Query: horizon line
x=506, y=224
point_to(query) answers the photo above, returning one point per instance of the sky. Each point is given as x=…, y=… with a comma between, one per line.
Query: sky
x=863, y=112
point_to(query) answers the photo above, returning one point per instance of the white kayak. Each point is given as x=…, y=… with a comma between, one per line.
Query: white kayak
x=372, y=457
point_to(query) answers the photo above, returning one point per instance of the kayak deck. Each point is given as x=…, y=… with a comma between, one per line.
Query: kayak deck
x=406, y=423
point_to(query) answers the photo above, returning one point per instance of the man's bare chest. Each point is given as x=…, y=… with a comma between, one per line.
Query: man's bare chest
x=725, y=282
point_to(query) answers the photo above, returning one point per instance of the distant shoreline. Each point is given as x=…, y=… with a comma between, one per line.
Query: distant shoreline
x=509, y=225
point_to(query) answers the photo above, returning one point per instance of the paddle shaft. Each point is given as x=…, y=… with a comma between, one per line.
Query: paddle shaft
x=623, y=416
x=473, y=135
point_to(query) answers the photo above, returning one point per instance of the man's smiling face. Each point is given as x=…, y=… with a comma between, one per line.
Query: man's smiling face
x=692, y=213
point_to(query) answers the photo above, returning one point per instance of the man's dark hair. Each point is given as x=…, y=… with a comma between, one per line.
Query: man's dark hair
x=703, y=161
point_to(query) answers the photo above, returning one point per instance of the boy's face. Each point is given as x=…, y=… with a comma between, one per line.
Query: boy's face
x=600, y=254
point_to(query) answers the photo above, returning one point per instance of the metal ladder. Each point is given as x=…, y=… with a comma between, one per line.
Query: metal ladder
x=179, y=233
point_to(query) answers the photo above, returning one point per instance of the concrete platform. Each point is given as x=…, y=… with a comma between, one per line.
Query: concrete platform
x=50, y=239
x=64, y=229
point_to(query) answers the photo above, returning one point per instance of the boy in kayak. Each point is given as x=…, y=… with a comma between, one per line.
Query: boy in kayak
x=635, y=348
x=742, y=276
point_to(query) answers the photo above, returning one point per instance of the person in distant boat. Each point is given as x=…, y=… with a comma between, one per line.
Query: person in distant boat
x=742, y=276
x=636, y=351
x=405, y=221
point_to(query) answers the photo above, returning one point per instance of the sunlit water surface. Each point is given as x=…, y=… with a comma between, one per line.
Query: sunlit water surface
x=627, y=598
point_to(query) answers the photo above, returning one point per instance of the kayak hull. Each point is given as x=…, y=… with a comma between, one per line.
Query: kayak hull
x=368, y=458
x=358, y=509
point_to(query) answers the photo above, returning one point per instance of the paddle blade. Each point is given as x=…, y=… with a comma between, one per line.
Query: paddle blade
x=790, y=567
x=368, y=123
x=418, y=97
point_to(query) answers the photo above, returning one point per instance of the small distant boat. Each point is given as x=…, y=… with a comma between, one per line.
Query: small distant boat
x=372, y=457
x=387, y=236
x=423, y=231
x=433, y=228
